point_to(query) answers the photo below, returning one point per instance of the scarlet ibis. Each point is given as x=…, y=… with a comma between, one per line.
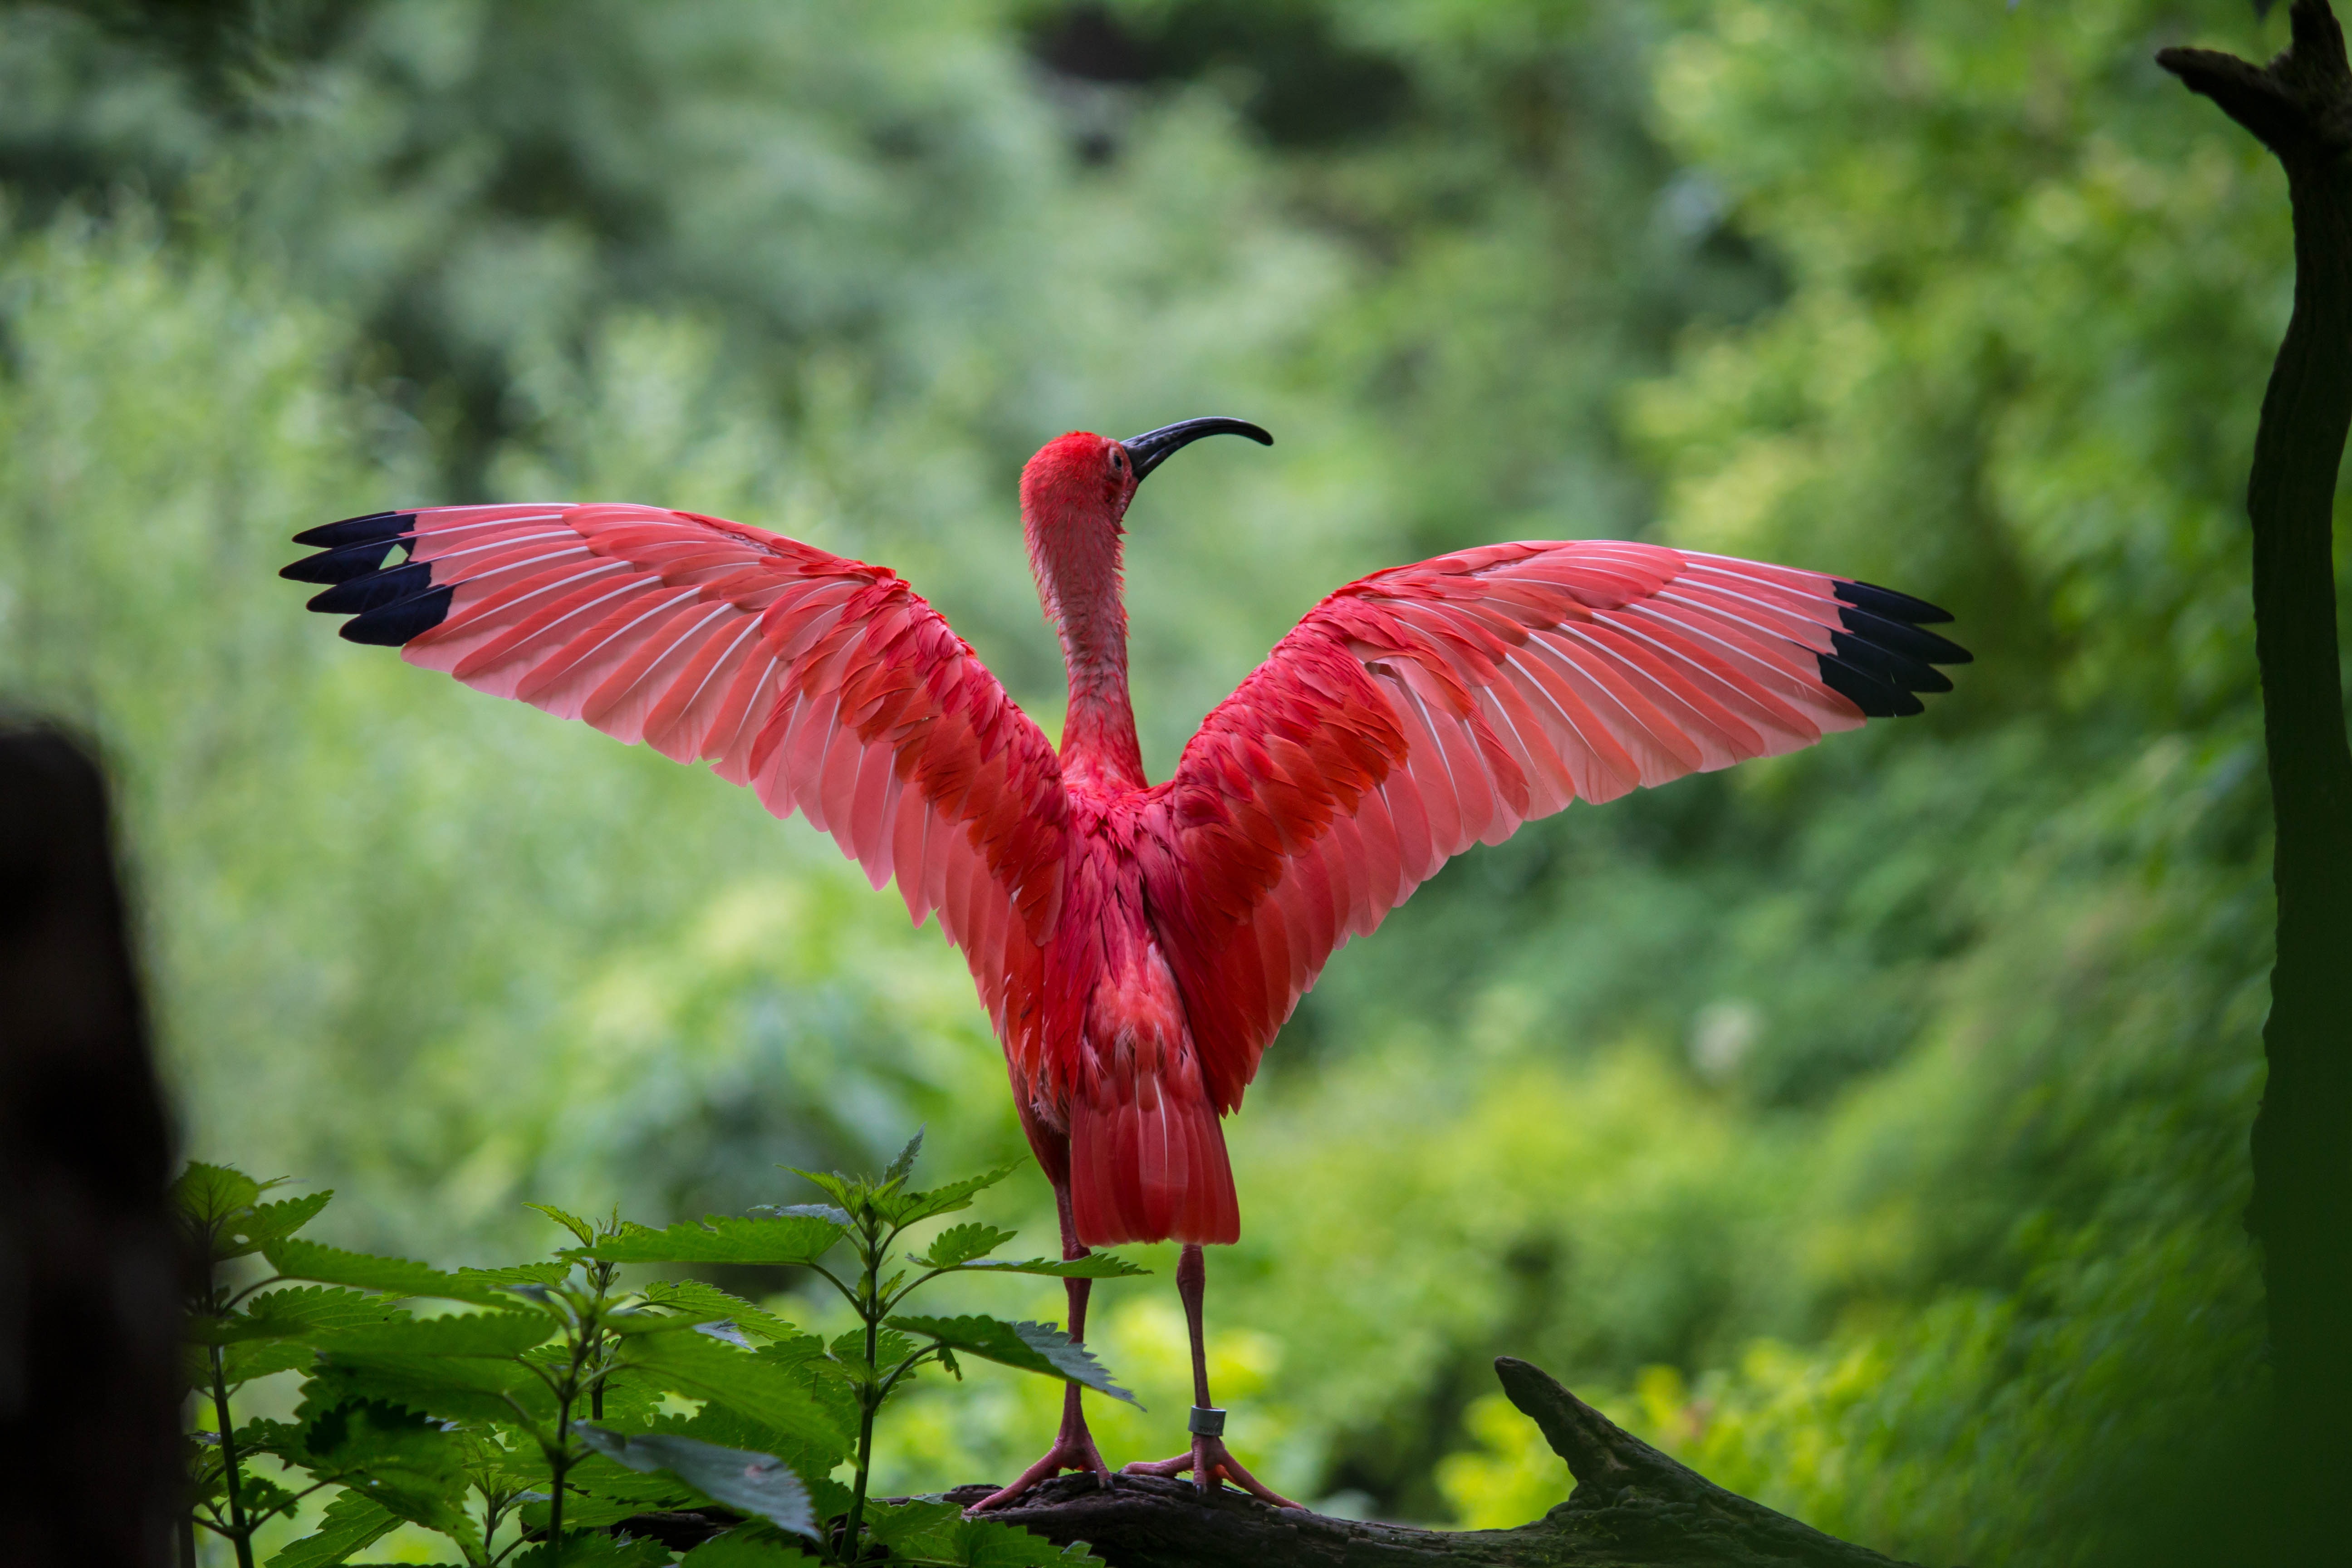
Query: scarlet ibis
x=1137, y=945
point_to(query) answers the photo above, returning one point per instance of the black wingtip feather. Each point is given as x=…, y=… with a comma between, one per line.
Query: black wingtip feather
x=1866, y=692
x=341, y=565
x=357, y=530
x=1881, y=660
x=361, y=594
x=1912, y=641
x=392, y=626
x=1895, y=606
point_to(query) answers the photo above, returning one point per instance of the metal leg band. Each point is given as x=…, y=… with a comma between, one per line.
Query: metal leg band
x=1207, y=1421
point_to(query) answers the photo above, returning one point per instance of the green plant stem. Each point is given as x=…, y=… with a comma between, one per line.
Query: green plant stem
x=869, y=1307
x=240, y=1534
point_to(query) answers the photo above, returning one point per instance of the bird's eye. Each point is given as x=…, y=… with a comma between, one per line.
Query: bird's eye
x=1118, y=460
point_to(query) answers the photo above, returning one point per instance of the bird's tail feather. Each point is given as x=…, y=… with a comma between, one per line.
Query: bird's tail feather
x=1148, y=1167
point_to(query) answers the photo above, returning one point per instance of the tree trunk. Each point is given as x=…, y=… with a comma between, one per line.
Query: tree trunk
x=2300, y=106
x=1632, y=1508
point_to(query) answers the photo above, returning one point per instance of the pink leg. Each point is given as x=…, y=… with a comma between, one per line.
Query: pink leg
x=1211, y=1464
x=1074, y=1448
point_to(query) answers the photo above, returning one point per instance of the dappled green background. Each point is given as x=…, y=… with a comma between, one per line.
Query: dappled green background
x=1868, y=1126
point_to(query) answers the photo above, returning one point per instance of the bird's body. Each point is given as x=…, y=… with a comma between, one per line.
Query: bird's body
x=1137, y=945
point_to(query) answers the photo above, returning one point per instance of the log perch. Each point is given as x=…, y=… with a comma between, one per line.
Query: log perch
x=1632, y=1508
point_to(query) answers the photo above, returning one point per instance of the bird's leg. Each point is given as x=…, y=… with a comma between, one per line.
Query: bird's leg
x=1211, y=1464
x=1074, y=1447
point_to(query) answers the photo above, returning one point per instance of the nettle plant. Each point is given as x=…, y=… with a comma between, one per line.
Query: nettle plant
x=528, y=1414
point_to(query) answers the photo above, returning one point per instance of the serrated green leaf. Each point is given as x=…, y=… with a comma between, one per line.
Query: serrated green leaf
x=210, y=1194
x=492, y=1335
x=585, y=1549
x=570, y=1222
x=299, y=1260
x=602, y=1478
x=740, y=1549
x=247, y=1233
x=769, y=1392
x=846, y=1191
x=448, y=1387
x=515, y=1274
x=826, y=1212
x=292, y=1313
x=689, y=1296
x=1093, y=1266
x=399, y=1459
x=351, y=1522
x=242, y=1363
x=720, y=1239
x=907, y=1208
x=962, y=1243
x=937, y=1535
x=749, y=1482
x=899, y=1169
x=1032, y=1347
x=282, y=1439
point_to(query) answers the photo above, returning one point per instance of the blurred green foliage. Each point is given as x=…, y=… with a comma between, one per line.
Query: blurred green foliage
x=1868, y=1125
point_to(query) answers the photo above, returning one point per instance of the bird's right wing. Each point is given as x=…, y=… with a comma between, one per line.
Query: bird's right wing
x=1427, y=708
x=826, y=684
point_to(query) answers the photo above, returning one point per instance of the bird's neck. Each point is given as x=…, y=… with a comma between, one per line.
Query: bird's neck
x=1099, y=744
x=1078, y=578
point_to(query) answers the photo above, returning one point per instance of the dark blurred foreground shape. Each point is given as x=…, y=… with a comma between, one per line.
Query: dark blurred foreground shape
x=88, y=1299
x=2300, y=107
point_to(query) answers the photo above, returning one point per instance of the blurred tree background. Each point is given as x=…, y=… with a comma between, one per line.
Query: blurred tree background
x=1868, y=1126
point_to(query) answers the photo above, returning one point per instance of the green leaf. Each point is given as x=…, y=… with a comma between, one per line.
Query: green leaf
x=719, y=1238
x=269, y=1222
x=299, y=1260
x=741, y=1549
x=962, y=1243
x=351, y=1521
x=899, y=1169
x=847, y=1191
x=691, y=1297
x=938, y=1533
x=570, y=1222
x=449, y=1387
x=211, y=1195
x=1093, y=1266
x=749, y=1482
x=242, y=1363
x=399, y=1459
x=1032, y=1347
x=826, y=1212
x=517, y=1273
x=906, y=1208
x=491, y=1335
x=292, y=1313
x=282, y=1439
x=583, y=1549
x=776, y=1395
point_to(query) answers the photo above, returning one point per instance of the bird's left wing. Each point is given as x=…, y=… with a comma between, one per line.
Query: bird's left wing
x=1424, y=709
x=825, y=684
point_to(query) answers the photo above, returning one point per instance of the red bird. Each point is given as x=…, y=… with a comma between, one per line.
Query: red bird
x=1137, y=945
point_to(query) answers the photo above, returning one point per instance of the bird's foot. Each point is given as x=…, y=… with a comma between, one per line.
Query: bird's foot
x=1212, y=1465
x=1071, y=1451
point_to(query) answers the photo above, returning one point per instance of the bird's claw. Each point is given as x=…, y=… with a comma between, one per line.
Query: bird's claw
x=1212, y=1465
x=1068, y=1453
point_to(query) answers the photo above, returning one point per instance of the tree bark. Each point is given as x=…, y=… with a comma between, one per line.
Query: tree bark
x=2300, y=106
x=1632, y=1508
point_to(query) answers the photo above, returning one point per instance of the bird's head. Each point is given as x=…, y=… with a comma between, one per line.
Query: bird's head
x=1073, y=497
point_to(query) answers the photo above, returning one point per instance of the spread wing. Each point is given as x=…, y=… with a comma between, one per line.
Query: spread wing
x=1431, y=707
x=826, y=684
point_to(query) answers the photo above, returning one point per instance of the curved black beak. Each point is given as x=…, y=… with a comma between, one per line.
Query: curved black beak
x=1151, y=448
